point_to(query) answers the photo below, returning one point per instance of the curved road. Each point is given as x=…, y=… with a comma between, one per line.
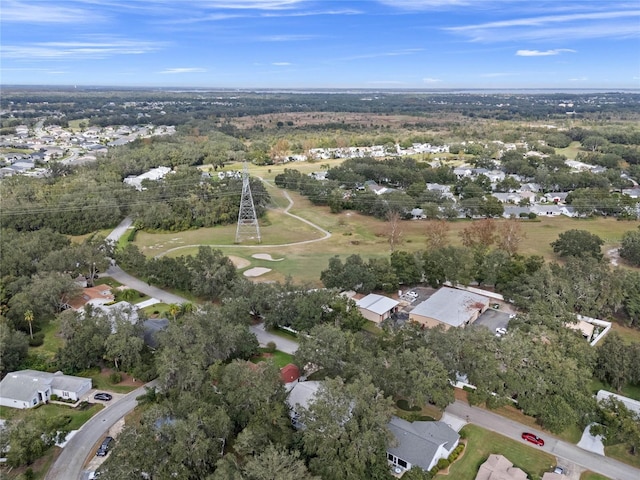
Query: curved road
x=492, y=421
x=69, y=464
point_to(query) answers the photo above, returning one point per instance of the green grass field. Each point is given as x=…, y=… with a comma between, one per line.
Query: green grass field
x=592, y=476
x=279, y=358
x=481, y=443
x=621, y=452
x=351, y=233
x=101, y=381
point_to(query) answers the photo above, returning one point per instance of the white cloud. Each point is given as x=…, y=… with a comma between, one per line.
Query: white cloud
x=543, y=53
x=599, y=24
x=536, y=21
x=579, y=79
x=281, y=64
x=97, y=49
x=431, y=81
x=14, y=11
x=171, y=71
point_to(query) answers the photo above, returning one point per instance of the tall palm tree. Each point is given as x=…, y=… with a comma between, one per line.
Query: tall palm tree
x=28, y=317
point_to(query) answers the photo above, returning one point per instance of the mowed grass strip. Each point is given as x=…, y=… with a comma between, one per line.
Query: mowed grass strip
x=481, y=443
x=621, y=452
x=592, y=476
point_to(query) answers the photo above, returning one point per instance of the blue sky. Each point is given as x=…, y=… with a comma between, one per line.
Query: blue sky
x=322, y=44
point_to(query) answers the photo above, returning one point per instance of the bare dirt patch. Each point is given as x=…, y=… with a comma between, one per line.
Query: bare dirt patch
x=266, y=256
x=239, y=262
x=256, y=271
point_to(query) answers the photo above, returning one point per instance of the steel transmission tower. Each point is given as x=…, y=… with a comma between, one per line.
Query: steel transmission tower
x=248, y=228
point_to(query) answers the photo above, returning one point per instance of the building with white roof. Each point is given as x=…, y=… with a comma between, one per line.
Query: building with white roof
x=449, y=307
x=377, y=308
x=28, y=388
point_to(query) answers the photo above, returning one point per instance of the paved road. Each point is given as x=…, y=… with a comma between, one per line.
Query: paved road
x=69, y=464
x=120, y=230
x=123, y=277
x=282, y=344
x=491, y=421
x=115, y=272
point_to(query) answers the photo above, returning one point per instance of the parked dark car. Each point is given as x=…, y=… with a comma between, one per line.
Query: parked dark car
x=103, y=396
x=104, y=447
x=530, y=437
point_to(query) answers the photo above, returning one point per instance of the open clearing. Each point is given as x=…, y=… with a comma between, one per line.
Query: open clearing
x=352, y=233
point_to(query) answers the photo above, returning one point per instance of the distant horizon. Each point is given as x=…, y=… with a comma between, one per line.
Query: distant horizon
x=323, y=44
x=310, y=90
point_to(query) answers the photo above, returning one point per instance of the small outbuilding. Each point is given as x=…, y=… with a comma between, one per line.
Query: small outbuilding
x=289, y=373
x=377, y=308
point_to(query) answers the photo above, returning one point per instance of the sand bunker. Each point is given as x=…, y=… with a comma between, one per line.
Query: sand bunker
x=266, y=256
x=239, y=262
x=256, y=271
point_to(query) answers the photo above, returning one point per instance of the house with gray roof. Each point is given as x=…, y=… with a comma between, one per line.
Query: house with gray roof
x=28, y=388
x=377, y=308
x=419, y=444
x=449, y=307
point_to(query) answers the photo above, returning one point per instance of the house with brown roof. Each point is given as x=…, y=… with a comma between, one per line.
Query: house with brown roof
x=98, y=295
x=498, y=467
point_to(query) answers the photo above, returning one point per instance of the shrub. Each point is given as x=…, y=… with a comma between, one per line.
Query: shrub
x=532, y=216
x=132, y=234
x=37, y=340
x=115, y=377
x=434, y=471
x=54, y=397
x=271, y=347
x=443, y=463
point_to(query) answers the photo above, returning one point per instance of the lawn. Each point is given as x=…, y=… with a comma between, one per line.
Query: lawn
x=351, y=233
x=78, y=417
x=481, y=443
x=52, y=341
x=101, y=381
x=621, y=452
x=631, y=391
x=629, y=335
x=592, y=476
x=279, y=358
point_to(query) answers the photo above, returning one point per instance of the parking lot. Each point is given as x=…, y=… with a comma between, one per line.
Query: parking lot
x=493, y=319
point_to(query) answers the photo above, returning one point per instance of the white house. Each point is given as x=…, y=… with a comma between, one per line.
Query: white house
x=154, y=174
x=28, y=388
x=420, y=444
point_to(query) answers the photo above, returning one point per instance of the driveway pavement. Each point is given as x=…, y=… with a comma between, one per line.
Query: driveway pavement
x=591, y=443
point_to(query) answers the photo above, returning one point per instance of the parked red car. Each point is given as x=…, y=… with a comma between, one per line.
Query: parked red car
x=530, y=437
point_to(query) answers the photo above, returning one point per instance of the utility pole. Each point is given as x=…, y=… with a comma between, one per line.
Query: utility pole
x=248, y=228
